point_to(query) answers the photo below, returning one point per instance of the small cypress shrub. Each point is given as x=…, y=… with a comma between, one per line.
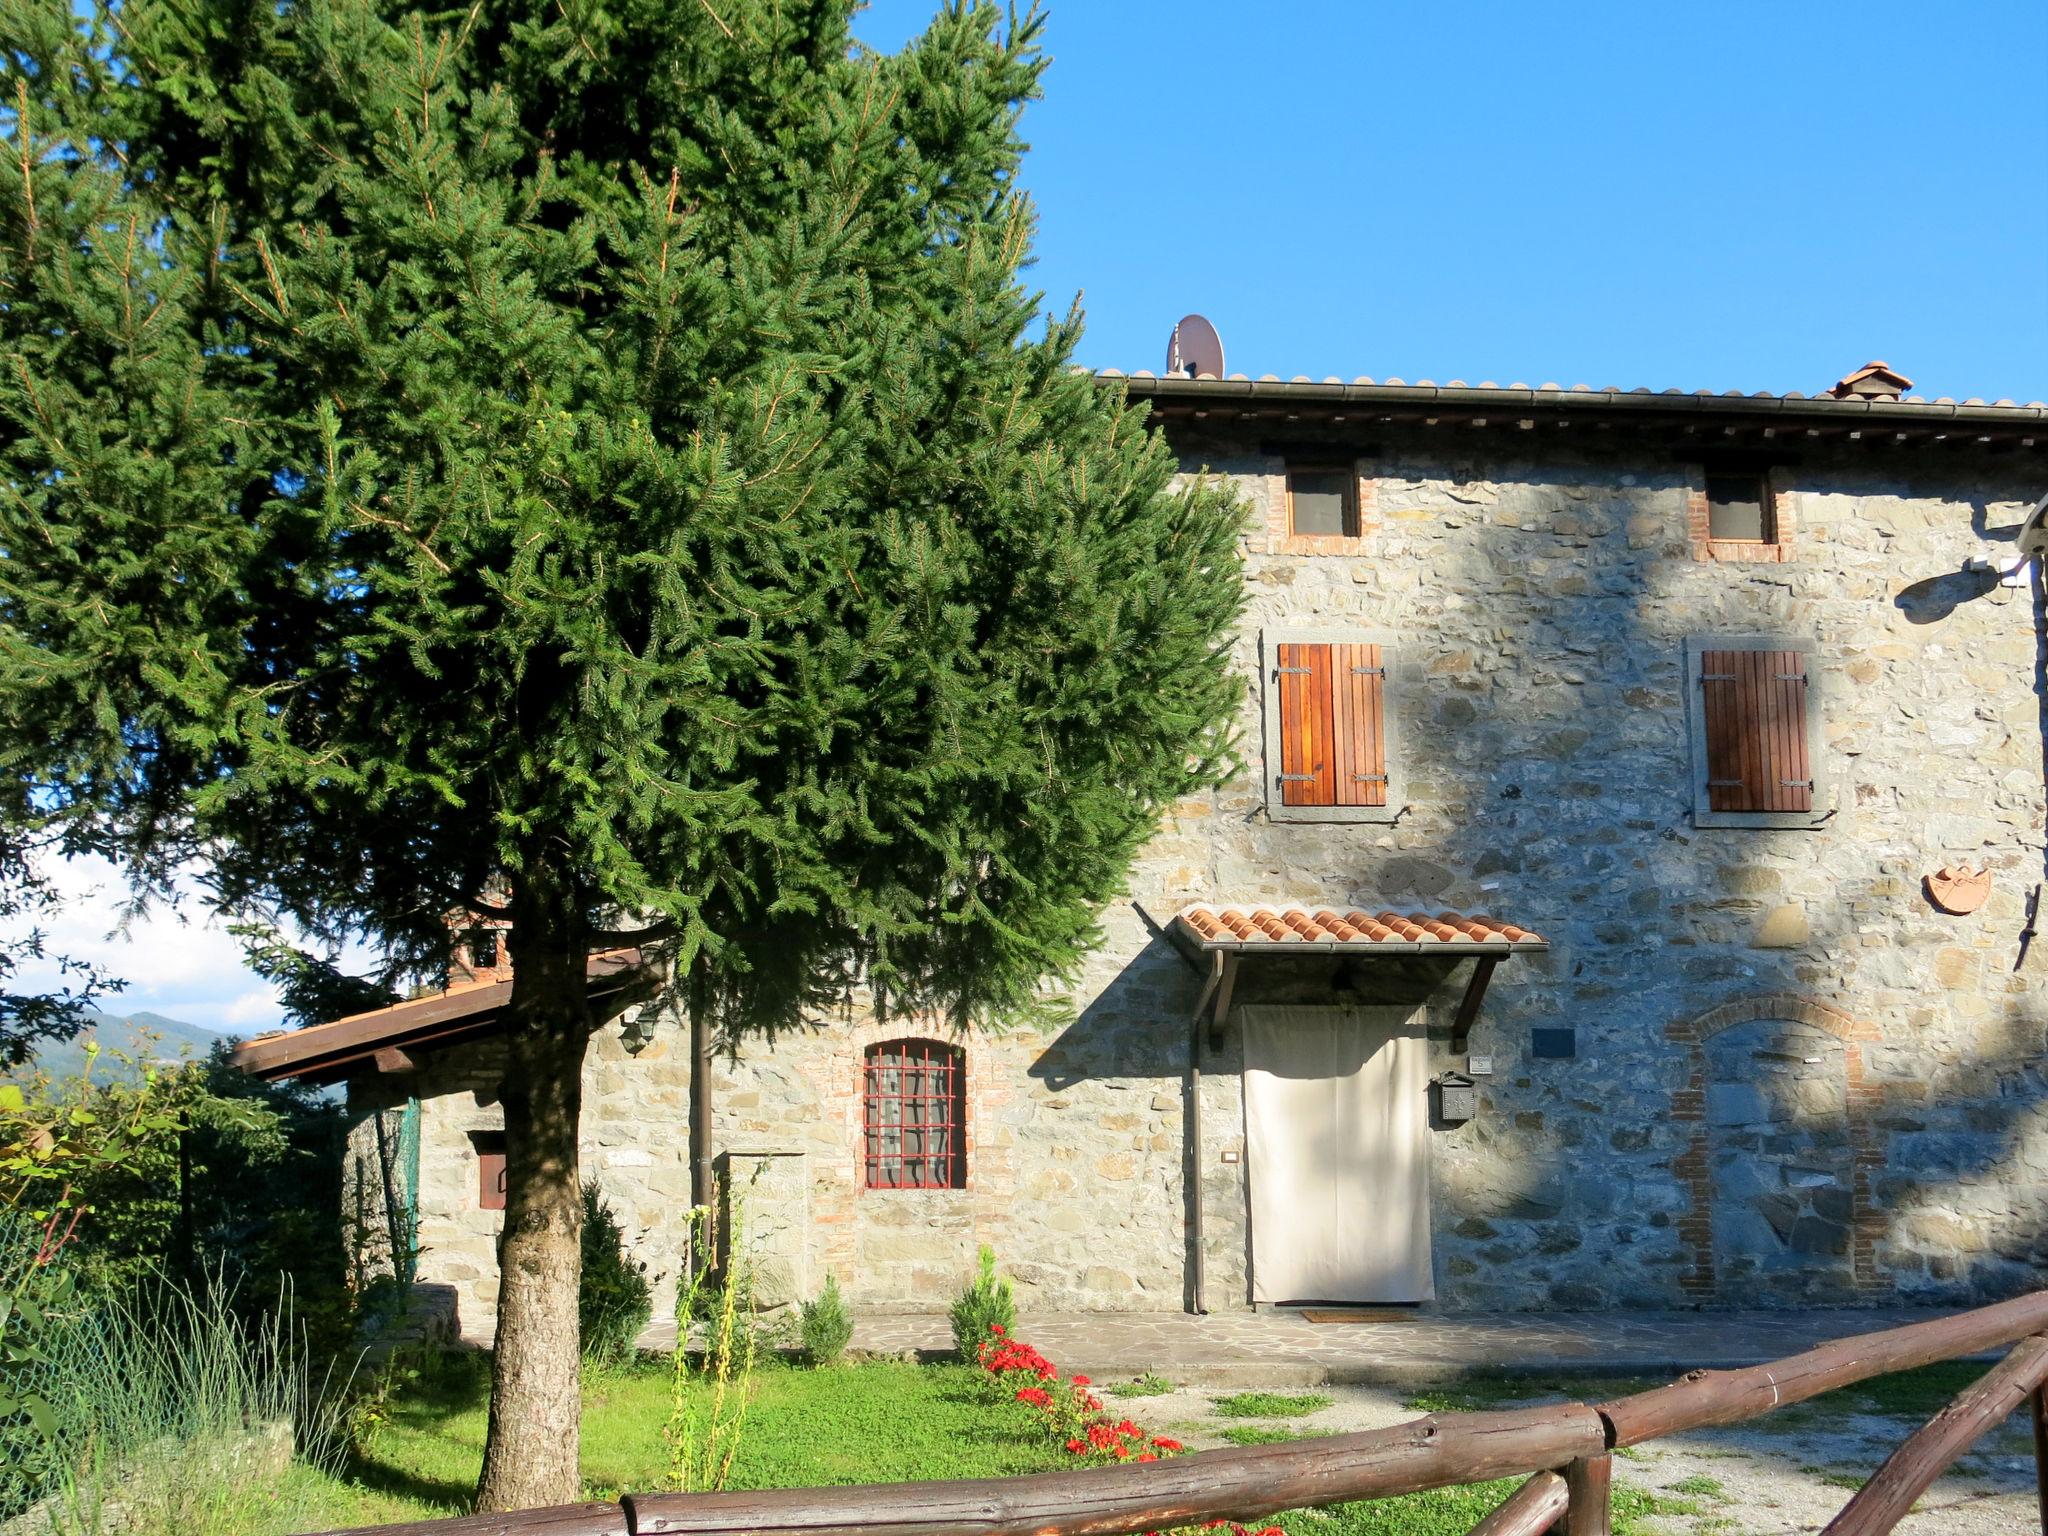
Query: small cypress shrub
x=826, y=1328
x=614, y=1300
x=983, y=1307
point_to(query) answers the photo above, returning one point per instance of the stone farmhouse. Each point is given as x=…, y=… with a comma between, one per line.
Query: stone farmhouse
x=1628, y=899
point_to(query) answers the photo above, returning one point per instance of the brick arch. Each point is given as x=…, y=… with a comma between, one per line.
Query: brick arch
x=1689, y=1107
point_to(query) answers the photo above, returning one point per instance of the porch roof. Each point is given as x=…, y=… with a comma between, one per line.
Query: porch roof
x=379, y=1040
x=1219, y=941
x=1269, y=929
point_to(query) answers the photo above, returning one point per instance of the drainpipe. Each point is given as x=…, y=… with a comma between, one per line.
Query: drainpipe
x=1216, y=988
x=1195, y=1237
x=699, y=994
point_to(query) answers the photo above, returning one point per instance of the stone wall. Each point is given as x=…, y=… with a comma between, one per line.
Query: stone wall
x=1686, y=1150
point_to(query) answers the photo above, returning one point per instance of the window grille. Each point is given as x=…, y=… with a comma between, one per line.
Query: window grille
x=914, y=1112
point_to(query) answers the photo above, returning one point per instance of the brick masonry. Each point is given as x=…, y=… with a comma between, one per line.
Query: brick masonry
x=1786, y=1078
x=1784, y=523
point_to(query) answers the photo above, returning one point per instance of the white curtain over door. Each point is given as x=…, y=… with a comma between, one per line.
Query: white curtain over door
x=1337, y=1148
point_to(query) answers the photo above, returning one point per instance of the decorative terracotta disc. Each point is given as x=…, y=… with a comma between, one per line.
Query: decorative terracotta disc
x=1958, y=889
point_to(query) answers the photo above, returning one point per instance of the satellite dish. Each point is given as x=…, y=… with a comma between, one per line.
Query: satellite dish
x=1194, y=349
x=2033, y=539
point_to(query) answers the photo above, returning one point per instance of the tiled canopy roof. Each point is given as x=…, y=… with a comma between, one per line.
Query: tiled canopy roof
x=1271, y=928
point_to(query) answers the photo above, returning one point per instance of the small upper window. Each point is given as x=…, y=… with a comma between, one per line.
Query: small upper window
x=1322, y=501
x=1739, y=509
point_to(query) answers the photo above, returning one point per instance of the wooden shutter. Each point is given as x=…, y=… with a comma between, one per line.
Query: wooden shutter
x=1332, y=724
x=1754, y=704
x=490, y=1169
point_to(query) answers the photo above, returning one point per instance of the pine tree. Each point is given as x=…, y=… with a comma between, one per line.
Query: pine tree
x=595, y=461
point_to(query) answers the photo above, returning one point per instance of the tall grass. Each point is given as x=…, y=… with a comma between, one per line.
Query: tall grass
x=171, y=1414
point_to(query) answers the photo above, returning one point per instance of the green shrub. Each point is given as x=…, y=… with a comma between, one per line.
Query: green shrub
x=827, y=1330
x=983, y=1307
x=614, y=1300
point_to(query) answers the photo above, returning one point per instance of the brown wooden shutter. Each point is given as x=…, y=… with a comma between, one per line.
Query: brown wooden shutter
x=1755, y=710
x=1359, y=687
x=1307, y=766
x=1332, y=724
x=490, y=1181
x=490, y=1169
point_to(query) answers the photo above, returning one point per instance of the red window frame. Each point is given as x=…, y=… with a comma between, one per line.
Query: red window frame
x=914, y=1115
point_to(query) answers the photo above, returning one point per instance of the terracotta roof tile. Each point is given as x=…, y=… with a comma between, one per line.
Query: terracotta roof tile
x=1327, y=925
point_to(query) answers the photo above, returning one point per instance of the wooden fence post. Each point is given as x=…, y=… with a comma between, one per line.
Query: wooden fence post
x=1589, y=1484
x=1909, y=1471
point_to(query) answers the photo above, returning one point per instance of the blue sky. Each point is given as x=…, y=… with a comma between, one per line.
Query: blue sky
x=1708, y=196
x=1700, y=196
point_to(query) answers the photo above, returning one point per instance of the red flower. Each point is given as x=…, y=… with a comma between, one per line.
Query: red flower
x=997, y=1329
x=1037, y=1397
x=1165, y=1444
x=1078, y=1447
x=1147, y=1456
x=1078, y=1379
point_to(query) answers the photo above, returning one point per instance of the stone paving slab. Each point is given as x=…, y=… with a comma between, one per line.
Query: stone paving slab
x=1281, y=1348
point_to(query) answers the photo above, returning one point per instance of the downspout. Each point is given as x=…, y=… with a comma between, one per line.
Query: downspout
x=1199, y=1254
x=700, y=1086
x=1195, y=1234
x=2037, y=594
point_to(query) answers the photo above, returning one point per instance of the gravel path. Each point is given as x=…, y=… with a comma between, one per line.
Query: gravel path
x=1790, y=1472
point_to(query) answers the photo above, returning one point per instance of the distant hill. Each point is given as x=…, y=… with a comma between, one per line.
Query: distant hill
x=148, y=1036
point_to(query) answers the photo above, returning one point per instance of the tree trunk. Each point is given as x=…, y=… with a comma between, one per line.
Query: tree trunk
x=530, y=1449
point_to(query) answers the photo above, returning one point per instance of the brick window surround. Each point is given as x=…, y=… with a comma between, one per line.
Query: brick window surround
x=1782, y=515
x=913, y=1115
x=1281, y=539
x=1694, y=1165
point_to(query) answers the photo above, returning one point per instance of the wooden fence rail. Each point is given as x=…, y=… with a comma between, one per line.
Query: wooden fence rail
x=1564, y=1451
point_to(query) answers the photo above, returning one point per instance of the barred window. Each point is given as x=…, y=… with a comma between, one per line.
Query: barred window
x=914, y=1115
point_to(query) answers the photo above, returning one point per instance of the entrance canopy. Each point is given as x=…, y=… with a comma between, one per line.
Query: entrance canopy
x=1219, y=940
x=1267, y=929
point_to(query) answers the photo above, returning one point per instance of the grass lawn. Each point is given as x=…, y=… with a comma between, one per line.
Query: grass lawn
x=1454, y=1511
x=881, y=1422
x=1271, y=1405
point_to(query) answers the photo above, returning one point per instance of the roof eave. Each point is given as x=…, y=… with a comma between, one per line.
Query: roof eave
x=1615, y=404
x=320, y=1052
